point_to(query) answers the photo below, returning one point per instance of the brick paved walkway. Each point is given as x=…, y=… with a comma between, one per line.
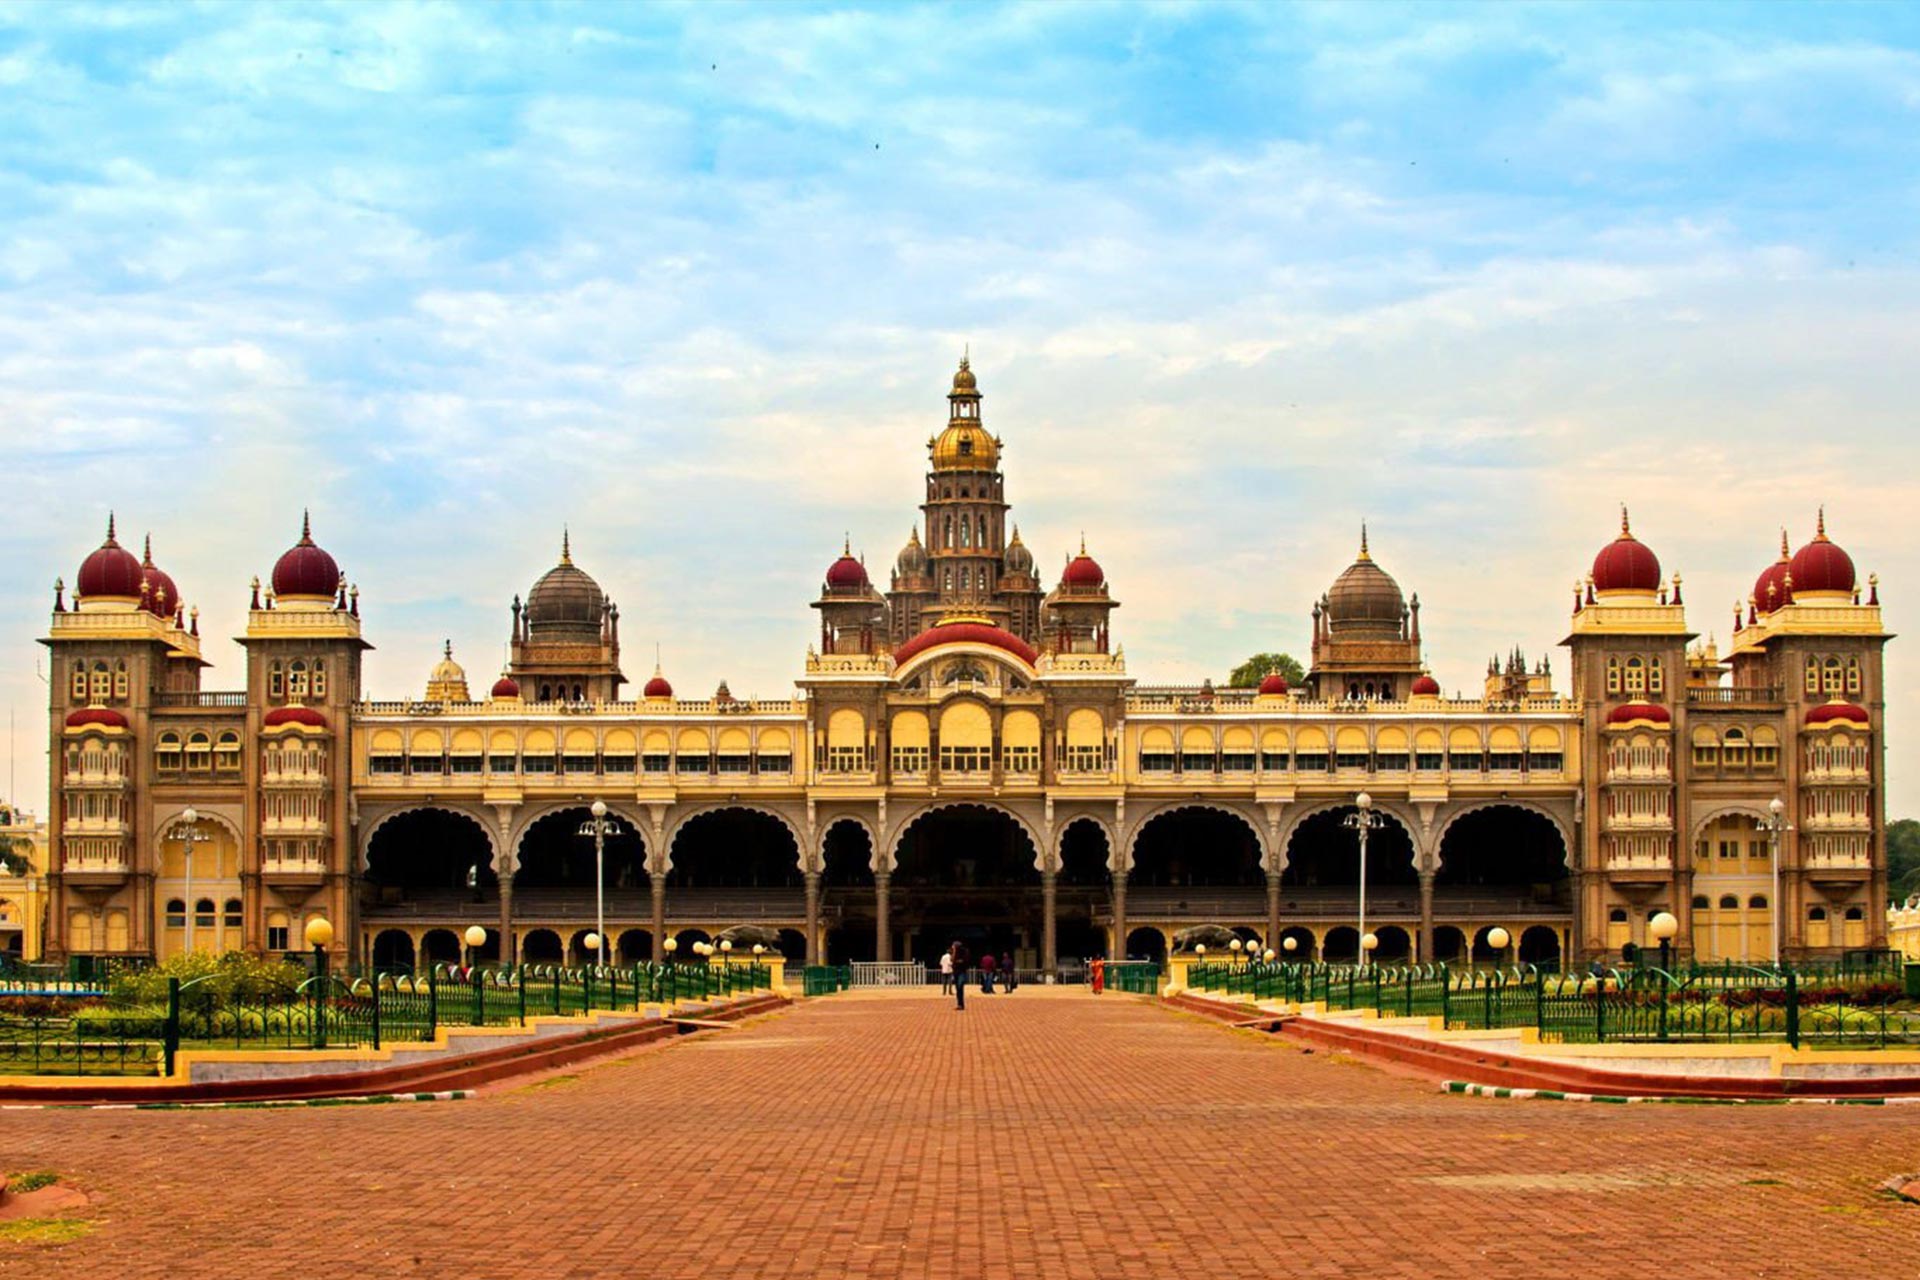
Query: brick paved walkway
x=1046, y=1134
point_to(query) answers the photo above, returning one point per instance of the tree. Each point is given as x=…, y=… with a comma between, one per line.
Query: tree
x=1903, y=857
x=1250, y=673
x=15, y=853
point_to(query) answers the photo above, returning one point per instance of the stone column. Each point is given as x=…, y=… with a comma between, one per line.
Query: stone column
x=657, y=882
x=882, y=916
x=815, y=952
x=1119, y=918
x=506, y=921
x=1049, y=949
x=1426, y=918
x=1273, y=910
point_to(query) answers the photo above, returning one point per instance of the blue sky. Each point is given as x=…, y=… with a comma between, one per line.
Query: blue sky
x=693, y=279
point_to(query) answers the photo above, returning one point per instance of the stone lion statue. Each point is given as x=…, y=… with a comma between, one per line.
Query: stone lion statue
x=1209, y=936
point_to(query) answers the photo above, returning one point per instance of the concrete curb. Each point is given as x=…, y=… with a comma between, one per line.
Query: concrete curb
x=1472, y=1090
x=363, y=1100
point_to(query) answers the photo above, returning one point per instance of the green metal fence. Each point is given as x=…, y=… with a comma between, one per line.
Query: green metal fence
x=1849, y=1005
x=1134, y=977
x=825, y=979
x=63, y=1031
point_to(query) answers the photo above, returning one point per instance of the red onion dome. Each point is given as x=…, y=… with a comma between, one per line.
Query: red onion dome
x=306, y=571
x=1838, y=711
x=1626, y=563
x=1275, y=684
x=1637, y=712
x=163, y=598
x=847, y=573
x=1425, y=686
x=110, y=571
x=657, y=687
x=1083, y=571
x=294, y=715
x=105, y=717
x=1821, y=566
x=961, y=631
x=506, y=687
x=1770, y=588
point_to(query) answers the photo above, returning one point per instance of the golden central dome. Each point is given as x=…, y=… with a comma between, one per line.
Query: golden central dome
x=965, y=446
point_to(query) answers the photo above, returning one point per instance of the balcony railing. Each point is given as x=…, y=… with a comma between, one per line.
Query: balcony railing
x=1735, y=696
x=201, y=698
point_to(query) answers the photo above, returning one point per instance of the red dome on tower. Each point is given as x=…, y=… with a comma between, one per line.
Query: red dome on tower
x=657, y=687
x=966, y=631
x=506, y=687
x=105, y=717
x=1629, y=712
x=1083, y=571
x=1626, y=563
x=306, y=570
x=163, y=598
x=110, y=571
x=1425, y=686
x=1839, y=711
x=1770, y=588
x=847, y=573
x=306, y=716
x=1822, y=566
x=1274, y=684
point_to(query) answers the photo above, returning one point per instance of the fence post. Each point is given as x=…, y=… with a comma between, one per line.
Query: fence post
x=479, y=1000
x=1540, y=1001
x=172, y=1036
x=433, y=1002
x=1600, y=1009
x=1793, y=1010
x=376, y=1010
x=520, y=981
x=1487, y=999
x=1446, y=996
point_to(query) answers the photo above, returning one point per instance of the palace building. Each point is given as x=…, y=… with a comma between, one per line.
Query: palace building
x=966, y=754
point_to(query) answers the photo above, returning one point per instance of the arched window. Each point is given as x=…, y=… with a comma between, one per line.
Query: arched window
x=1699, y=902
x=1813, y=675
x=1816, y=913
x=166, y=751
x=78, y=686
x=949, y=580
x=1834, y=682
x=1758, y=900
x=949, y=538
x=1613, y=675
x=966, y=578
x=1636, y=676
x=226, y=752
x=319, y=679
x=297, y=680
x=199, y=750
x=203, y=913
x=1734, y=749
x=1618, y=915
x=276, y=682
x=1856, y=913
x=176, y=913
x=982, y=539
x=231, y=913
x=102, y=687
x=1656, y=675
x=1853, y=675
x=120, y=680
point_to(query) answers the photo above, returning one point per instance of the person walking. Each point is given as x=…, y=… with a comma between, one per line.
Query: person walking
x=1010, y=976
x=957, y=953
x=987, y=964
x=946, y=972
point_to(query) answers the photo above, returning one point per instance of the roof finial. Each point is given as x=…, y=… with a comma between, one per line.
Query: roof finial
x=109, y=528
x=446, y=649
x=566, y=545
x=147, y=563
x=1083, y=542
x=1783, y=545
x=1364, y=553
x=846, y=544
x=306, y=526
x=1820, y=527
x=966, y=354
x=1626, y=529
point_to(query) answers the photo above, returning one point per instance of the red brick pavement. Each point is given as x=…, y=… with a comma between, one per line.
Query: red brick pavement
x=1046, y=1134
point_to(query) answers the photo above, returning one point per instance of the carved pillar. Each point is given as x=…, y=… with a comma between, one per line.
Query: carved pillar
x=882, y=916
x=1426, y=916
x=1273, y=909
x=506, y=920
x=657, y=882
x=1049, y=951
x=815, y=951
x=1119, y=951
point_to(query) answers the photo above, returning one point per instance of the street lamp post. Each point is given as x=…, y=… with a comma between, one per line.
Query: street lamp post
x=1663, y=926
x=476, y=937
x=670, y=946
x=599, y=827
x=1498, y=938
x=1774, y=825
x=759, y=949
x=187, y=832
x=1363, y=822
x=319, y=934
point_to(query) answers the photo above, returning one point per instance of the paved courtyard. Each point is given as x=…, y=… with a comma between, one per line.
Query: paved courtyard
x=1047, y=1134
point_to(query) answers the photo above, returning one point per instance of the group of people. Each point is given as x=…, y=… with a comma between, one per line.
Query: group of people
x=956, y=960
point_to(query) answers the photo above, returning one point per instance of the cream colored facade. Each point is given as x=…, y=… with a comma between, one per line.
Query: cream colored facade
x=967, y=754
x=23, y=888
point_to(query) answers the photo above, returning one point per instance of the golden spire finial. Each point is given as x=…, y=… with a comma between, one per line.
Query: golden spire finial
x=1364, y=553
x=566, y=545
x=446, y=649
x=109, y=528
x=1083, y=542
x=147, y=560
x=1784, y=555
x=846, y=544
x=306, y=526
x=966, y=354
x=1626, y=529
x=1820, y=526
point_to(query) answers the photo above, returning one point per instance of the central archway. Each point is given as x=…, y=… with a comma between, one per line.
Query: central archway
x=967, y=873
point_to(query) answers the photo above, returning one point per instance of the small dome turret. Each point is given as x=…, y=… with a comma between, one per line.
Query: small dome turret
x=1626, y=564
x=1365, y=599
x=1018, y=560
x=566, y=603
x=1821, y=568
x=110, y=571
x=912, y=560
